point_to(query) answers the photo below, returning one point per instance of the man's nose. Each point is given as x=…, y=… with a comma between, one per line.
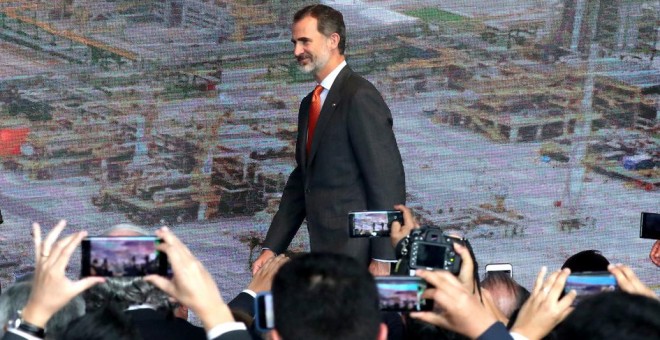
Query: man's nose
x=298, y=50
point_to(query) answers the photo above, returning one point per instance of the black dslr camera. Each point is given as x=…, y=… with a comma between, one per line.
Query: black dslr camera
x=430, y=248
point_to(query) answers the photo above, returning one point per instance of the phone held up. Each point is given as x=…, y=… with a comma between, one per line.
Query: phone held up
x=650, y=226
x=589, y=283
x=372, y=223
x=122, y=256
x=402, y=294
x=264, y=317
x=506, y=268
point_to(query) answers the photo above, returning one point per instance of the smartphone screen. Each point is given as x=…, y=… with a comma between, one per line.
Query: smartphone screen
x=650, y=226
x=402, y=293
x=590, y=283
x=122, y=256
x=506, y=268
x=372, y=223
x=264, y=316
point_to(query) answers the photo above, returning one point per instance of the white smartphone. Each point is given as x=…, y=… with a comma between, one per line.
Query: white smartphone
x=500, y=267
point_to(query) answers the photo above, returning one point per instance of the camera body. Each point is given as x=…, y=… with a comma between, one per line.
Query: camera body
x=430, y=248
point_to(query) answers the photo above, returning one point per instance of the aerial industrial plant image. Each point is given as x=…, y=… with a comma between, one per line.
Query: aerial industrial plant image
x=530, y=127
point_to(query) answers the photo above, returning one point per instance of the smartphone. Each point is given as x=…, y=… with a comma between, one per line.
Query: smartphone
x=264, y=316
x=402, y=293
x=650, y=226
x=372, y=223
x=589, y=283
x=500, y=267
x=122, y=256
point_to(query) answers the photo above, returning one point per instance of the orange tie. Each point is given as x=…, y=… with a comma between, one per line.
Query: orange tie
x=314, y=112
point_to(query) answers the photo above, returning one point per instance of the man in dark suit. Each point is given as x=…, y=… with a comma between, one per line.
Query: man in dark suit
x=347, y=158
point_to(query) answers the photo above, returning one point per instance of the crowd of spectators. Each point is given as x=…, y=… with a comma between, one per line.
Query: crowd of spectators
x=315, y=296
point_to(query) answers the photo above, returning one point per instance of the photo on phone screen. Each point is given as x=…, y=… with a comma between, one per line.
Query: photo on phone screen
x=506, y=268
x=402, y=293
x=122, y=256
x=589, y=283
x=372, y=223
x=650, y=226
x=264, y=316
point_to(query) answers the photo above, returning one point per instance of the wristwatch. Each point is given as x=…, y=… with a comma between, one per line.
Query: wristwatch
x=16, y=322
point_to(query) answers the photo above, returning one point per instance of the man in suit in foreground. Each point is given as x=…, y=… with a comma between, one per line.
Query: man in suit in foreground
x=347, y=158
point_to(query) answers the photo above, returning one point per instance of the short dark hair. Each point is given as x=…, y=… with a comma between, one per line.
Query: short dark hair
x=329, y=20
x=586, y=261
x=612, y=315
x=325, y=296
x=105, y=323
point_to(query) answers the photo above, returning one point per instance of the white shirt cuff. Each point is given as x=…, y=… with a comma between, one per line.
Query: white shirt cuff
x=248, y=291
x=224, y=328
x=518, y=336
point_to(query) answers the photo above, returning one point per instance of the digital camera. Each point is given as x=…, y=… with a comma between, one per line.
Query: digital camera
x=430, y=248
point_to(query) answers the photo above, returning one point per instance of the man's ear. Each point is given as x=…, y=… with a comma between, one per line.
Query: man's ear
x=274, y=335
x=382, y=332
x=333, y=40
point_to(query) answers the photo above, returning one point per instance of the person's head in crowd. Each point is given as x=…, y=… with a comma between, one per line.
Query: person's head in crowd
x=126, y=229
x=127, y=292
x=586, y=261
x=613, y=315
x=507, y=294
x=16, y=297
x=106, y=323
x=326, y=296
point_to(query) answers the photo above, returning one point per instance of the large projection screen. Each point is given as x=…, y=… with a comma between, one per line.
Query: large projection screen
x=530, y=127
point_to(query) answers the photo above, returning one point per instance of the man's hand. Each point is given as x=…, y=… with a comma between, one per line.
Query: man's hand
x=191, y=285
x=456, y=308
x=379, y=268
x=654, y=255
x=266, y=254
x=400, y=231
x=263, y=279
x=51, y=289
x=543, y=310
x=628, y=281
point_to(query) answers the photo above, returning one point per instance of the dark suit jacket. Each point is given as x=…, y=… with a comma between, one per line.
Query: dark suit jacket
x=354, y=164
x=243, y=302
x=155, y=325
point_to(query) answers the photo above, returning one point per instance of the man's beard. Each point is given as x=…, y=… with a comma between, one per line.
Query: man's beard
x=315, y=63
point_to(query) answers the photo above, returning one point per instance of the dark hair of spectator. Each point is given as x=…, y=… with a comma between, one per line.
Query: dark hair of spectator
x=325, y=296
x=586, y=261
x=612, y=315
x=105, y=323
x=329, y=21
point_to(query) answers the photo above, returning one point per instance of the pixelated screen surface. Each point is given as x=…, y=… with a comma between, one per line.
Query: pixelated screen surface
x=530, y=127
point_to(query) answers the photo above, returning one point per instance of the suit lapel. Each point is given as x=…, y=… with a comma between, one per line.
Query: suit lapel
x=329, y=105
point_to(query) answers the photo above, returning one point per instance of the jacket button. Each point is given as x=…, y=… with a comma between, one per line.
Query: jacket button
x=307, y=191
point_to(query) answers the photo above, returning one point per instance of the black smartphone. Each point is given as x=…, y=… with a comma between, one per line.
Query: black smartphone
x=402, y=293
x=264, y=317
x=372, y=223
x=122, y=256
x=650, y=226
x=589, y=283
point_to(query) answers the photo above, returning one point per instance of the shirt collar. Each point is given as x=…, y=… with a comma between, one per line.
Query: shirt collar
x=330, y=78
